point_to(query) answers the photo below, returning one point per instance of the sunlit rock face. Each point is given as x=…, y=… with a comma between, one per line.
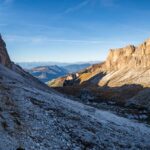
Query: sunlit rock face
x=128, y=65
x=129, y=56
x=4, y=57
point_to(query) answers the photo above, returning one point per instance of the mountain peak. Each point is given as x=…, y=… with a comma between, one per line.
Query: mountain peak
x=148, y=41
x=134, y=56
x=4, y=57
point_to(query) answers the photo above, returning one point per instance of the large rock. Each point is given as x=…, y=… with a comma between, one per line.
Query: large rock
x=129, y=65
x=129, y=56
x=4, y=57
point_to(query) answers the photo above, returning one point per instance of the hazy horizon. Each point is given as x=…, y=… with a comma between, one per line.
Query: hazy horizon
x=73, y=62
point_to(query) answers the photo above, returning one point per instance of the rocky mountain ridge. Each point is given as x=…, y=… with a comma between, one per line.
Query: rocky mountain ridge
x=129, y=56
x=128, y=65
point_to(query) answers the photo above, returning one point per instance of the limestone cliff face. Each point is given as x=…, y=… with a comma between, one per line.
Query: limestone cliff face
x=4, y=57
x=129, y=65
x=129, y=56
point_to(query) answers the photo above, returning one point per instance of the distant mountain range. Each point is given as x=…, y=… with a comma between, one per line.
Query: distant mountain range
x=30, y=65
x=47, y=73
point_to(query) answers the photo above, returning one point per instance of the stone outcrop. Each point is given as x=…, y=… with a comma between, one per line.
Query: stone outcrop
x=128, y=65
x=71, y=79
x=130, y=56
x=4, y=57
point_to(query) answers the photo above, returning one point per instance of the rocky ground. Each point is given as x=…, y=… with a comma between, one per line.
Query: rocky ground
x=32, y=119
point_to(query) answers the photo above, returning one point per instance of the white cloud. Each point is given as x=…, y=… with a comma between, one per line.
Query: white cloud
x=77, y=7
x=36, y=39
x=104, y=3
x=43, y=40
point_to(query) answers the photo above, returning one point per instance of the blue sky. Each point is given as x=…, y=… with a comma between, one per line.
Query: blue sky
x=71, y=30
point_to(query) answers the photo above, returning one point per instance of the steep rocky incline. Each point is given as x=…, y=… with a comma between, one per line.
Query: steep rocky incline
x=34, y=118
x=5, y=60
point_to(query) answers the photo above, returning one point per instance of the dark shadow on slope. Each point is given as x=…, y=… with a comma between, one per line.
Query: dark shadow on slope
x=106, y=93
x=75, y=81
x=95, y=79
x=128, y=100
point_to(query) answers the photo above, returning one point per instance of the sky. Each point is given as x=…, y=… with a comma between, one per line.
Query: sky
x=71, y=30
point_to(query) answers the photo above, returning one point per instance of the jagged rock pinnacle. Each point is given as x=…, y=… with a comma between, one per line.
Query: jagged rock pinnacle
x=4, y=57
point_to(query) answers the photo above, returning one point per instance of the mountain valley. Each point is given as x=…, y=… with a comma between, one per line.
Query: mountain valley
x=122, y=80
x=34, y=116
x=48, y=73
